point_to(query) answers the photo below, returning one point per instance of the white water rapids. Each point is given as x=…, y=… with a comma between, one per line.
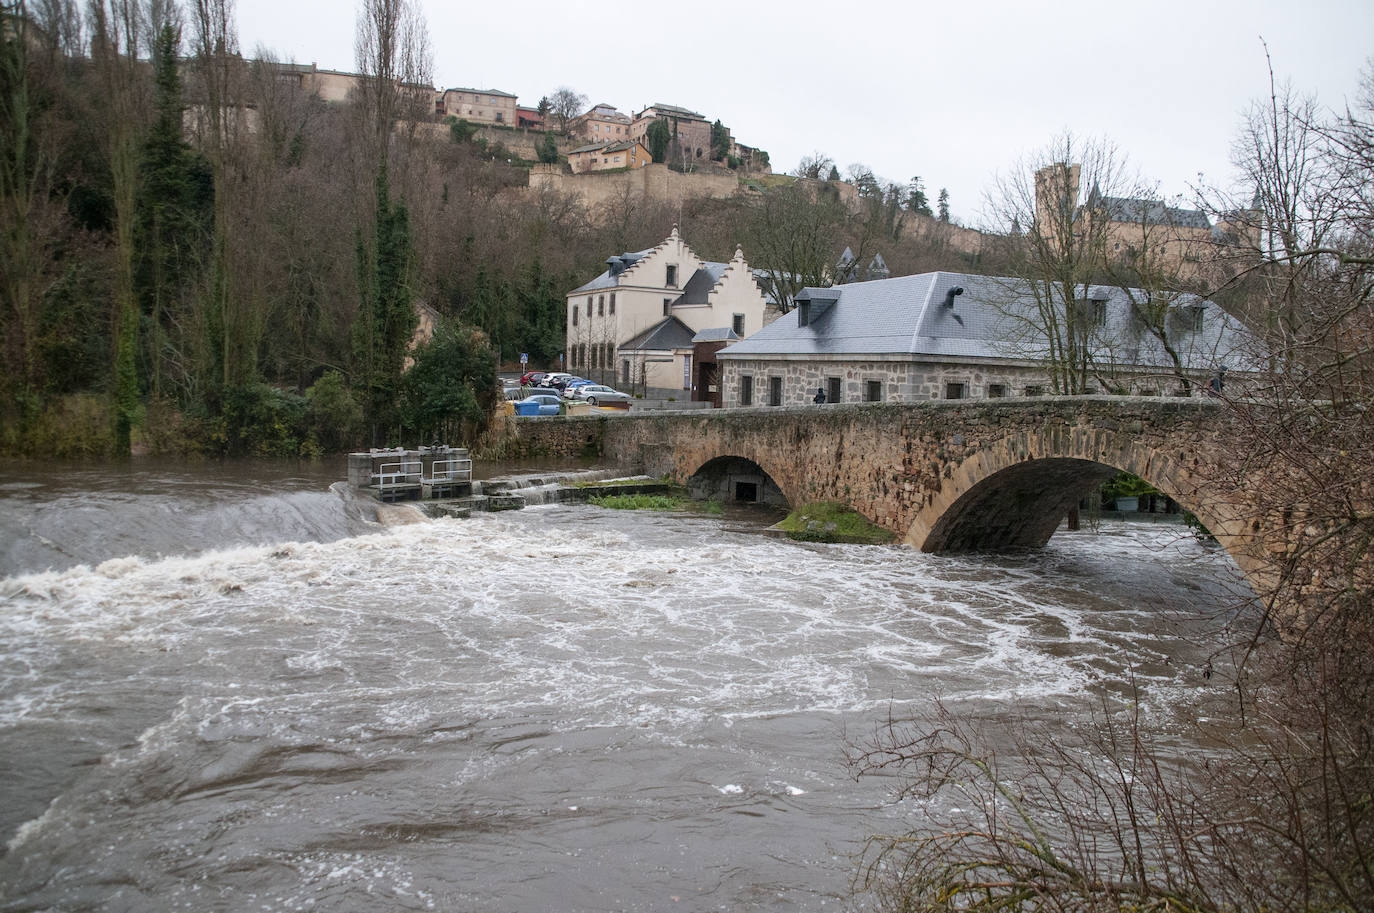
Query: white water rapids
x=561, y=708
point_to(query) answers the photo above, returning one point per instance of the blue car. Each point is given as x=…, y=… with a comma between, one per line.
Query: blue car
x=539, y=404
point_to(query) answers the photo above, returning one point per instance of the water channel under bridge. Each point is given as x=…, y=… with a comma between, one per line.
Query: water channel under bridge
x=946, y=476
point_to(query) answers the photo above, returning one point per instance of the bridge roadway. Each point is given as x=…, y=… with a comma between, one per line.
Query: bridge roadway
x=945, y=476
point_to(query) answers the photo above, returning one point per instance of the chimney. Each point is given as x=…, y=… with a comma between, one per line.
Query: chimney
x=949, y=296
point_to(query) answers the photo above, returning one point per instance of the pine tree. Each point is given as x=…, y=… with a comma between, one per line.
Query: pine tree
x=942, y=203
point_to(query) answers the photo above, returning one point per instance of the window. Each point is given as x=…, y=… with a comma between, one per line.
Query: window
x=997, y=391
x=1099, y=312
x=737, y=324
x=612, y=302
x=1035, y=391
x=672, y=276
x=601, y=306
x=500, y=117
x=686, y=372
x=575, y=309
x=667, y=306
x=775, y=391
x=746, y=390
x=956, y=391
x=832, y=389
x=873, y=391
x=625, y=371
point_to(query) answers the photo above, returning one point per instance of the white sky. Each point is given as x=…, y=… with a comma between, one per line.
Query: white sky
x=954, y=91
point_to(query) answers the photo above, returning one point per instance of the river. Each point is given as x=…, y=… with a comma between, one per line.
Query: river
x=228, y=688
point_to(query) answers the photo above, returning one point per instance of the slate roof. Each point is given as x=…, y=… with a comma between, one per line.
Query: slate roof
x=481, y=91
x=673, y=111
x=698, y=288
x=618, y=265
x=668, y=333
x=716, y=334
x=1153, y=212
x=906, y=319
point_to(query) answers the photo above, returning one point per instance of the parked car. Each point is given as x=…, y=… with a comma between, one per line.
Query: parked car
x=574, y=384
x=539, y=404
x=556, y=380
x=599, y=394
x=533, y=378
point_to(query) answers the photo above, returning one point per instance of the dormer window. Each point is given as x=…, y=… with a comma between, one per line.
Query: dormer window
x=803, y=313
x=672, y=276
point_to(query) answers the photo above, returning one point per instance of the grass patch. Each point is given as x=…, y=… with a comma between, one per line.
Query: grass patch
x=640, y=502
x=830, y=521
x=675, y=500
x=612, y=483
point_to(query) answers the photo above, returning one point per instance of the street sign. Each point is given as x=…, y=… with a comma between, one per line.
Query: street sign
x=524, y=358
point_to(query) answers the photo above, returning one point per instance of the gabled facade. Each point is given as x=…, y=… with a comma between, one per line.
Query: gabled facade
x=608, y=156
x=634, y=325
x=957, y=336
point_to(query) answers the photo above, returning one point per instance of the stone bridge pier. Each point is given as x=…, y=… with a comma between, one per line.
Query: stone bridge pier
x=945, y=476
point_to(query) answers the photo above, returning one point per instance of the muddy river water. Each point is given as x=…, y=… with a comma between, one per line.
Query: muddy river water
x=228, y=688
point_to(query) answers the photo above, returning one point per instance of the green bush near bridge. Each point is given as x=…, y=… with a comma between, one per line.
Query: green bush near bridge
x=830, y=521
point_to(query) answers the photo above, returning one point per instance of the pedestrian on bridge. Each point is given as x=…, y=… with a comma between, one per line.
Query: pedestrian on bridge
x=819, y=398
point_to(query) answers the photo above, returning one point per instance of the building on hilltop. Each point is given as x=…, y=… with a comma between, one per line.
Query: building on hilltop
x=601, y=124
x=477, y=106
x=529, y=118
x=956, y=336
x=1185, y=239
x=691, y=130
x=655, y=318
x=607, y=156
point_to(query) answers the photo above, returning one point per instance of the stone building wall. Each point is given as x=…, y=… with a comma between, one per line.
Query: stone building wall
x=902, y=381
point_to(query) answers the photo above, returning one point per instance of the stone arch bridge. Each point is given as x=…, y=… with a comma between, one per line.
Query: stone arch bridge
x=945, y=476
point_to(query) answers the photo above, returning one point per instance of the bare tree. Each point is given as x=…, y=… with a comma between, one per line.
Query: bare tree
x=1271, y=811
x=564, y=105
x=796, y=234
x=816, y=166
x=1063, y=250
x=115, y=44
x=393, y=54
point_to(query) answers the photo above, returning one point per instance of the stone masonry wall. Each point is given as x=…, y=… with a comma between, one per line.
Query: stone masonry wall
x=917, y=468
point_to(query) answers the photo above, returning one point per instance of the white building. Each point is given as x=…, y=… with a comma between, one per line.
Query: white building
x=654, y=319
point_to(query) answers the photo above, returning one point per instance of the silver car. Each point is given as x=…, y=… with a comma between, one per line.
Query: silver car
x=599, y=395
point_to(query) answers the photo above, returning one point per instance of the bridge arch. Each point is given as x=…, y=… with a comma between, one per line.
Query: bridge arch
x=730, y=477
x=1014, y=492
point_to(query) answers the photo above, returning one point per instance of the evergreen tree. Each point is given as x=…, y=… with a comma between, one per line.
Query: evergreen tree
x=720, y=141
x=942, y=202
x=548, y=150
x=172, y=216
x=659, y=135
x=834, y=174
x=916, y=199
x=386, y=319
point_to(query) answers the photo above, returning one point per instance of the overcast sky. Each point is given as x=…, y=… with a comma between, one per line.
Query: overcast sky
x=954, y=91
